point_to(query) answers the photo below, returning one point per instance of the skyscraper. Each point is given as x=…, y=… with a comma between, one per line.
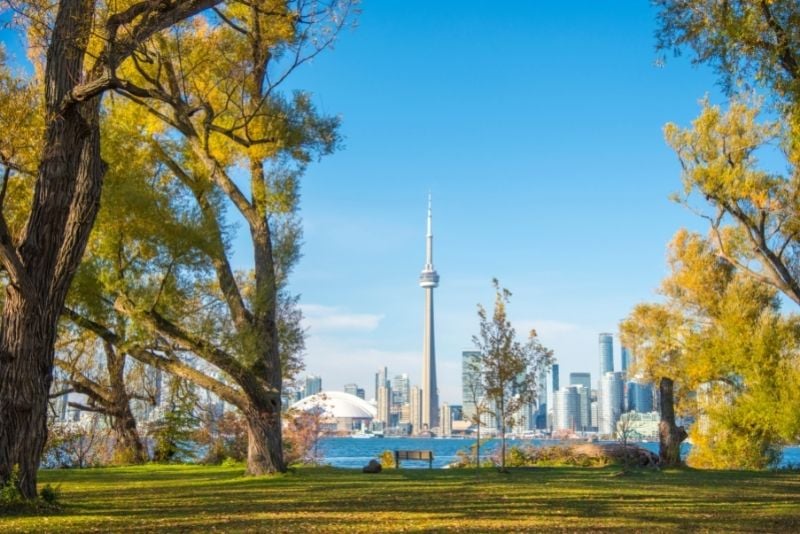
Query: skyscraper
x=381, y=379
x=554, y=373
x=313, y=385
x=566, y=409
x=606, y=342
x=625, y=359
x=428, y=280
x=581, y=379
x=611, y=402
x=415, y=409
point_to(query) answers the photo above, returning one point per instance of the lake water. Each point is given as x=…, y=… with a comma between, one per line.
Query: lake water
x=355, y=453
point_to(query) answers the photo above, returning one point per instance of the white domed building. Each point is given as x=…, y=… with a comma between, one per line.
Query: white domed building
x=340, y=411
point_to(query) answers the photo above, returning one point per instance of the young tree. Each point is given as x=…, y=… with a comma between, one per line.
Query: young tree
x=477, y=398
x=509, y=368
x=85, y=44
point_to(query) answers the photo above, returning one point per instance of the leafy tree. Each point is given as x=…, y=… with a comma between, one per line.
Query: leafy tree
x=84, y=44
x=220, y=111
x=731, y=357
x=509, y=369
x=751, y=42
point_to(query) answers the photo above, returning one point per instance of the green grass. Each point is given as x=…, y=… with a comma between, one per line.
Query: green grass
x=158, y=498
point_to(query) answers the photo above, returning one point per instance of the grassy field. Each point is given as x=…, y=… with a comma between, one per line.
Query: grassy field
x=219, y=499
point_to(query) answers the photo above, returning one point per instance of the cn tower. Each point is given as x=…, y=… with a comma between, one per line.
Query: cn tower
x=428, y=280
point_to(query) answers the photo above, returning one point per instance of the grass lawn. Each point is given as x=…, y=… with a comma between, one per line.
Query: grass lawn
x=158, y=498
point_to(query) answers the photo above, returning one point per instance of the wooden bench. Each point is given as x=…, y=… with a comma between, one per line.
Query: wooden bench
x=413, y=455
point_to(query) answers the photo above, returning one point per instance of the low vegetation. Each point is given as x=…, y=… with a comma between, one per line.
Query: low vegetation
x=186, y=498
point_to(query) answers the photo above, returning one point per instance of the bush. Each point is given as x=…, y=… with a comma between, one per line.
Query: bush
x=49, y=494
x=10, y=496
x=387, y=460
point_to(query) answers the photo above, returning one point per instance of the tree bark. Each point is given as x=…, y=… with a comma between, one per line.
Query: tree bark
x=65, y=203
x=264, y=444
x=670, y=435
x=128, y=448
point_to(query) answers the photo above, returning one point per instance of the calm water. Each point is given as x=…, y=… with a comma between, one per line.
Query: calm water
x=355, y=453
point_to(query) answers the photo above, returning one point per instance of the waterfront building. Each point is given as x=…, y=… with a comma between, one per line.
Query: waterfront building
x=384, y=406
x=470, y=382
x=400, y=390
x=540, y=416
x=445, y=420
x=566, y=408
x=415, y=409
x=428, y=280
x=611, y=402
x=313, y=385
x=457, y=412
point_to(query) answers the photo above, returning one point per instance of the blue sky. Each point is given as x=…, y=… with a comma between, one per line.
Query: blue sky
x=537, y=126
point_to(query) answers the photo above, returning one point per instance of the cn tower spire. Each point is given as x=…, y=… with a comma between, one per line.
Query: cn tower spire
x=429, y=249
x=428, y=280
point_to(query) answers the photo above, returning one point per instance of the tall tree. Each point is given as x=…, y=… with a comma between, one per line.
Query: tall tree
x=224, y=117
x=85, y=44
x=752, y=211
x=509, y=369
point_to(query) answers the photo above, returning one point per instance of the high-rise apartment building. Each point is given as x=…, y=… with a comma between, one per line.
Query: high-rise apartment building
x=415, y=409
x=566, y=408
x=611, y=402
x=445, y=420
x=400, y=389
x=352, y=389
x=428, y=280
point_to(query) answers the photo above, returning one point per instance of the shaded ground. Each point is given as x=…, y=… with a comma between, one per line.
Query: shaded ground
x=197, y=498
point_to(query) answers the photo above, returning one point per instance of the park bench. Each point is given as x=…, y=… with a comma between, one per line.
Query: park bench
x=413, y=455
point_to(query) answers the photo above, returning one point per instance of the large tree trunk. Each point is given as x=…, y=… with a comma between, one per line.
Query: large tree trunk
x=670, y=436
x=264, y=446
x=65, y=204
x=128, y=448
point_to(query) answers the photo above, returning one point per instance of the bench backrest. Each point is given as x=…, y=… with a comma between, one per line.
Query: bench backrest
x=414, y=455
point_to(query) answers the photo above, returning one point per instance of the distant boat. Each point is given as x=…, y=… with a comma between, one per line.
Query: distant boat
x=366, y=435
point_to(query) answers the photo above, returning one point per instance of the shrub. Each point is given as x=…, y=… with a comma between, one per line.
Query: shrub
x=387, y=460
x=49, y=494
x=10, y=496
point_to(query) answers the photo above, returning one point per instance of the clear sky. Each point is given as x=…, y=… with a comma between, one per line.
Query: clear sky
x=537, y=127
